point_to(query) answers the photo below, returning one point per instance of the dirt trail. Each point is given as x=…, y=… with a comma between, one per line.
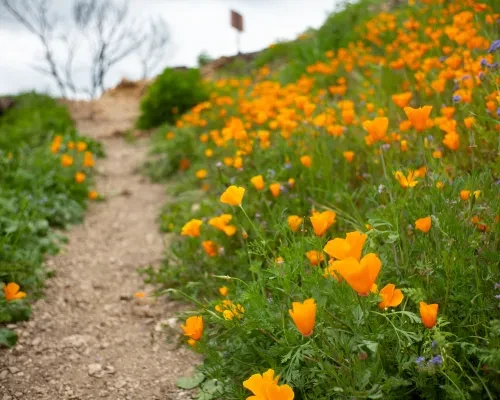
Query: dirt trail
x=89, y=337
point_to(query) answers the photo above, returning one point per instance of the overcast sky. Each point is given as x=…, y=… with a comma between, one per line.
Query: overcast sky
x=195, y=26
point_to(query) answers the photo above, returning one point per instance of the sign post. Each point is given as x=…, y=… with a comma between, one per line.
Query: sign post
x=237, y=23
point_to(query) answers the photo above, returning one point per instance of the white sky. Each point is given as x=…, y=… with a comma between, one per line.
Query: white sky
x=195, y=26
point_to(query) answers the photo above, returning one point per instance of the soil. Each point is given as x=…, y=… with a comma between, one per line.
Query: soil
x=90, y=337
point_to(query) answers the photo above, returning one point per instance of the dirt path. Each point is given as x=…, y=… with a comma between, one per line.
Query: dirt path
x=89, y=337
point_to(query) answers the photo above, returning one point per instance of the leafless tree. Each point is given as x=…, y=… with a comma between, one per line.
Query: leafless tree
x=154, y=51
x=101, y=32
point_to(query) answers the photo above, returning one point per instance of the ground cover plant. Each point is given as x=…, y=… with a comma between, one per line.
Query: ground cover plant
x=340, y=235
x=45, y=182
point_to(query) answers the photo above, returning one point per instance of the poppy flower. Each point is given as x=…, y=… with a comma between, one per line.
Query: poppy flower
x=294, y=222
x=402, y=99
x=406, y=181
x=223, y=290
x=360, y=275
x=350, y=247
x=265, y=387
x=314, y=257
x=81, y=146
x=192, y=228
x=322, y=221
x=377, y=128
x=201, y=173
x=258, y=182
x=423, y=224
x=66, y=160
x=391, y=297
x=12, y=292
x=348, y=155
x=194, y=327
x=428, y=314
x=88, y=160
x=280, y=392
x=304, y=316
x=418, y=117
x=233, y=195
x=210, y=248
x=306, y=161
x=93, y=195
x=80, y=177
x=464, y=195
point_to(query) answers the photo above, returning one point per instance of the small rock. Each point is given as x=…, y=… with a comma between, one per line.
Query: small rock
x=13, y=370
x=4, y=374
x=74, y=341
x=125, y=297
x=109, y=369
x=18, y=395
x=36, y=341
x=95, y=369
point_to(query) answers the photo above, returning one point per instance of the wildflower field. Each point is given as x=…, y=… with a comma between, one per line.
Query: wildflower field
x=45, y=182
x=341, y=229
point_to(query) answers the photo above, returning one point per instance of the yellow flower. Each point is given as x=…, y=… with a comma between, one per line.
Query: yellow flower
x=304, y=316
x=201, y=173
x=348, y=155
x=423, y=224
x=80, y=177
x=233, y=195
x=306, y=161
x=66, y=160
x=223, y=290
x=258, y=182
x=192, y=228
x=275, y=189
x=406, y=182
x=294, y=222
x=81, y=146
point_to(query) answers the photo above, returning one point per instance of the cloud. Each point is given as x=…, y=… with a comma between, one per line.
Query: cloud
x=195, y=26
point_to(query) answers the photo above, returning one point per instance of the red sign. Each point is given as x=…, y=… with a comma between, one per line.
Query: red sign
x=237, y=20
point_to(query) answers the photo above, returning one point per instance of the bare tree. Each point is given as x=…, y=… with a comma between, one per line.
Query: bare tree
x=102, y=32
x=153, y=52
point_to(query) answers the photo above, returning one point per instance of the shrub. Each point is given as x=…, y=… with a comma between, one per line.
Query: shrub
x=173, y=93
x=37, y=193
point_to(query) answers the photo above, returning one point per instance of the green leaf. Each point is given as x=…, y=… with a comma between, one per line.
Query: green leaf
x=190, y=382
x=8, y=338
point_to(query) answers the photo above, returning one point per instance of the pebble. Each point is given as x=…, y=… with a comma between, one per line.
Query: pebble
x=94, y=369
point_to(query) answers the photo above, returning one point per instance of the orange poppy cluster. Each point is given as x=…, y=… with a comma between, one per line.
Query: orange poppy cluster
x=441, y=68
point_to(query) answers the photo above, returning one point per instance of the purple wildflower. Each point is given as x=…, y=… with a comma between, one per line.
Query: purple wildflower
x=494, y=46
x=420, y=360
x=438, y=360
x=497, y=285
x=484, y=63
x=456, y=98
x=498, y=111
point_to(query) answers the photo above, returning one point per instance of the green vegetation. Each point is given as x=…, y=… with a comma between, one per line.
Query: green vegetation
x=45, y=176
x=172, y=94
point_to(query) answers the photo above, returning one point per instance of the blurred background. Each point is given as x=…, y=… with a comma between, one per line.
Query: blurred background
x=142, y=38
